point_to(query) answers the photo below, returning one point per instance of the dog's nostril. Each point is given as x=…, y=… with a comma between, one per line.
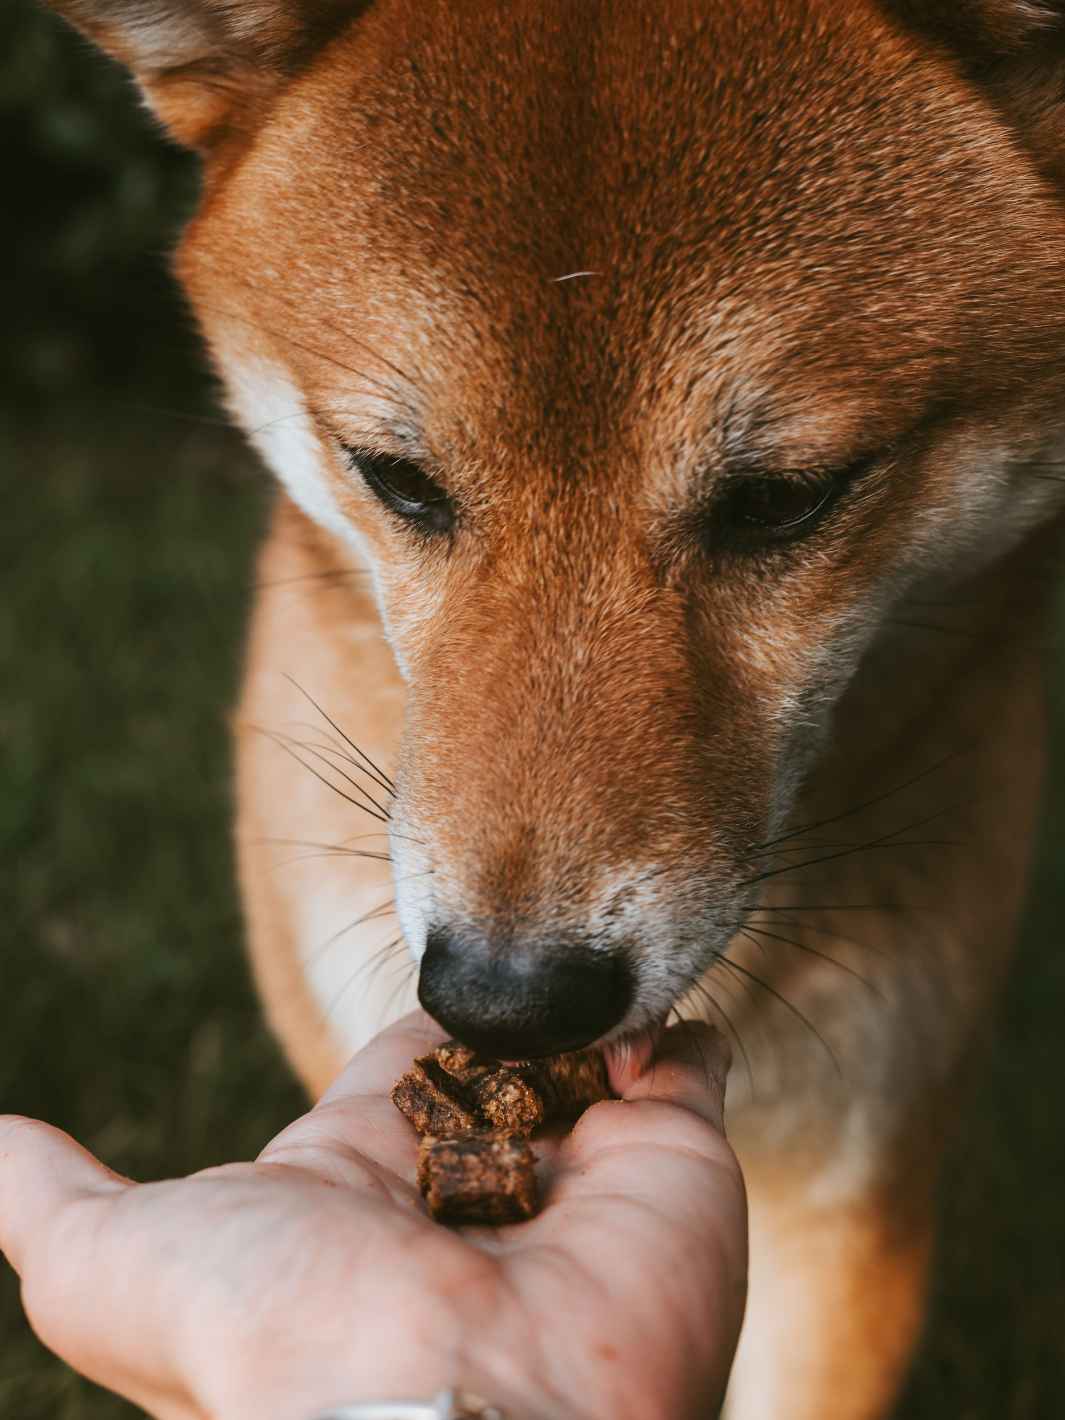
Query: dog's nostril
x=517, y=1002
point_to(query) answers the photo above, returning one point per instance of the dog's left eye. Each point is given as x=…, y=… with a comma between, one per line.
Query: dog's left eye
x=772, y=508
x=405, y=488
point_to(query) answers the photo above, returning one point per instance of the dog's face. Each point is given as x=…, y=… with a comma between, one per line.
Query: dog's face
x=649, y=354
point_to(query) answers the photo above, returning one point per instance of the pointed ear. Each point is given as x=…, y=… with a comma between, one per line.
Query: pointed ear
x=204, y=64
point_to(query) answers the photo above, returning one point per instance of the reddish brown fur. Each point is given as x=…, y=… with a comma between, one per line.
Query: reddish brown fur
x=814, y=233
x=531, y=436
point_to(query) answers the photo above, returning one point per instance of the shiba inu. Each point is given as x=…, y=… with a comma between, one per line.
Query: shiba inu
x=667, y=402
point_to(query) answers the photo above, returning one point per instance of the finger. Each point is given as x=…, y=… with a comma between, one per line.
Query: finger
x=664, y=1138
x=688, y=1068
x=672, y=1110
x=54, y=1199
x=42, y=1172
x=648, y=1204
x=355, y=1121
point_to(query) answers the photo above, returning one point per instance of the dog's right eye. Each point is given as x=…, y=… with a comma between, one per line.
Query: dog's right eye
x=405, y=488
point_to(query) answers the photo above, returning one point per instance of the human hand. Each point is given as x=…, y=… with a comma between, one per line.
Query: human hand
x=313, y=1277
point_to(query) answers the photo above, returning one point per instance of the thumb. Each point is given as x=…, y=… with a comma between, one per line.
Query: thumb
x=664, y=1137
x=648, y=1207
x=42, y=1172
x=687, y=1067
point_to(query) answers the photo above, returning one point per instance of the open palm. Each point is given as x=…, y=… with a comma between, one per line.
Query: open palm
x=313, y=1276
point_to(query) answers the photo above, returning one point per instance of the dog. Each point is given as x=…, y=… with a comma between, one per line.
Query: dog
x=667, y=402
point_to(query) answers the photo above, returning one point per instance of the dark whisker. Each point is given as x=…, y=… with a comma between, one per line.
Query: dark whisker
x=331, y=853
x=702, y=1058
x=383, y=778
x=334, y=573
x=327, y=850
x=385, y=909
x=279, y=741
x=850, y=853
x=822, y=931
x=788, y=1005
x=385, y=956
x=812, y=951
x=915, y=941
x=808, y=845
x=389, y=834
x=838, y=907
x=884, y=842
x=334, y=749
x=865, y=804
x=322, y=755
x=705, y=994
x=407, y=968
x=381, y=386
x=304, y=414
x=372, y=968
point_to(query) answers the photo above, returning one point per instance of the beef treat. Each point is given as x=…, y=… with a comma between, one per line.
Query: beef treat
x=478, y=1178
x=455, y=1091
x=505, y=1098
x=568, y=1084
x=433, y=1102
x=474, y=1165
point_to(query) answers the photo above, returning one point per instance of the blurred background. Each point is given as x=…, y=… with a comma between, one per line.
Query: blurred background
x=130, y=516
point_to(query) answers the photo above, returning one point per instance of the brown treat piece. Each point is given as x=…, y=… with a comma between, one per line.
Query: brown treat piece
x=434, y=1102
x=459, y=1060
x=479, y=1178
x=508, y=1102
x=569, y=1084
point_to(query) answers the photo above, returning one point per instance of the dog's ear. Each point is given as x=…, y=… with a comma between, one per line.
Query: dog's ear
x=1014, y=50
x=203, y=64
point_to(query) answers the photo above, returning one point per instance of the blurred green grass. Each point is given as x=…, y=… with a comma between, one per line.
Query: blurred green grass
x=92, y=201
x=130, y=519
x=126, y=1015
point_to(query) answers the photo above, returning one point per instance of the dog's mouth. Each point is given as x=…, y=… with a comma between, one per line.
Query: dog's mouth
x=524, y=1004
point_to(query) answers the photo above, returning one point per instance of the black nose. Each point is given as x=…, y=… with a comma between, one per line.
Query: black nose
x=515, y=1003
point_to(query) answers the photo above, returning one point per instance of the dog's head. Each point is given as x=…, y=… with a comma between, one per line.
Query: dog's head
x=649, y=354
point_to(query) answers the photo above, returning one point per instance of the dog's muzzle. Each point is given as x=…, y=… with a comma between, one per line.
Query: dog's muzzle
x=517, y=1002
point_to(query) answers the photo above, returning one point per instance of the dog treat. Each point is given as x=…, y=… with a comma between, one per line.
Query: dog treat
x=475, y=1115
x=434, y=1102
x=453, y=1091
x=506, y=1099
x=456, y=1091
x=478, y=1178
x=457, y=1059
x=569, y=1084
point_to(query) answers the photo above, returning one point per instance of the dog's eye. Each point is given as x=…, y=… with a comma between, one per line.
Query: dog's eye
x=773, y=508
x=406, y=489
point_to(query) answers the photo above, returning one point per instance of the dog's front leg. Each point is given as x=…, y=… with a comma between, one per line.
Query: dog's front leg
x=837, y=1299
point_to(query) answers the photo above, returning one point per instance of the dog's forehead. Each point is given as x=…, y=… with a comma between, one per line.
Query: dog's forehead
x=576, y=206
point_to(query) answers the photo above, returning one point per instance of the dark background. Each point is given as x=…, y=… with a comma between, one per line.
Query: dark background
x=130, y=513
